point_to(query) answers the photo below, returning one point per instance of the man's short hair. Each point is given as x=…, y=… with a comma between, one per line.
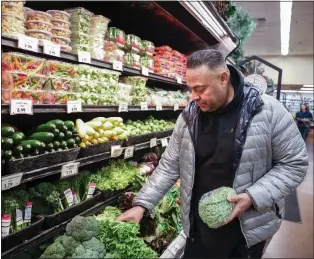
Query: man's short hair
x=208, y=57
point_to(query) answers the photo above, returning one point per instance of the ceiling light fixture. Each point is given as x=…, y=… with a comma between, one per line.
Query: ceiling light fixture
x=308, y=86
x=285, y=22
x=307, y=89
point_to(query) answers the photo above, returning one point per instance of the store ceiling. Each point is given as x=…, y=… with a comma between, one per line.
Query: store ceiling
x=265, y=40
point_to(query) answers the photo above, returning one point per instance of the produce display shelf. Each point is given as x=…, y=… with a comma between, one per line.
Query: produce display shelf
x=55, y=169
x=60, y=108
x=70, y=57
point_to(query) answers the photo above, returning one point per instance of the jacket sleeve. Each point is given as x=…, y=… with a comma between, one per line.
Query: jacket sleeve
x=290, y=161
x=166, y=173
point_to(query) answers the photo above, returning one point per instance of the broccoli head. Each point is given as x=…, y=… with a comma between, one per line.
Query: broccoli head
x=83, y=228
x=69, y=244
x=96, y=246
x=53, y=199
x=55, y=251
x=82, y=252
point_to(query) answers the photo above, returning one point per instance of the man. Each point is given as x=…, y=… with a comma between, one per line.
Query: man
x=232, y=136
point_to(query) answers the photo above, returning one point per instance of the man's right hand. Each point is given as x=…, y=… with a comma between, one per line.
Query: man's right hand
x=135, y=214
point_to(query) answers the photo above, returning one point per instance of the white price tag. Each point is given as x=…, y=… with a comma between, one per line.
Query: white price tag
x=145, y=71
x=28, y=212
x=69, y=169
x=153, y=142
x=158, y=107
x=5, y=225
x=51, y=49
x=84, y=57
x=164, y=142
x=19, y=106
x=128, y=152
x=175, y=248
x=91, y=190
x=123, y=107
x=11, y=181
x=117, y=65
x=28, y=43
x=74, y=106
x=116, y=151
x=144, y=106
x=179, y=80
x=176, y=107
x=19, y=217
x=69, y=197
x=75, y=201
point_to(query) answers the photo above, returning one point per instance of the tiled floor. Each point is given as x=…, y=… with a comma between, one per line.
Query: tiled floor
x=295, y=240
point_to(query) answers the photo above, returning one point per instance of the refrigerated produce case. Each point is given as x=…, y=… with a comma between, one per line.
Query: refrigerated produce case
x=133, y=78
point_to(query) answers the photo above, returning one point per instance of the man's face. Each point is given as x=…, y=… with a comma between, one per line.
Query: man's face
x=209, y=88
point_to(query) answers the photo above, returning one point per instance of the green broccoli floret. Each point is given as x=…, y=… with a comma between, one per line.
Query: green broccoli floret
x=55, y=251
x=53, y=199
x=21, y=197
x=96, y=246
x=68, y=243
x=82, y=252
x=83, y=228
x=42, y=190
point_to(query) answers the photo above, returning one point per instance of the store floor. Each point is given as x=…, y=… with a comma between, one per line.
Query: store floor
x=295, y=240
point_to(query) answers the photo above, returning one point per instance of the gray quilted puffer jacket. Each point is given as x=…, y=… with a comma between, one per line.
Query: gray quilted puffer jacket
x=270, y=162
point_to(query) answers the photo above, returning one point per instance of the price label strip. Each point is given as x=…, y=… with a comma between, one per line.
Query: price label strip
x=10, y=181
x=144, y=106
x=51, y=49
x=179, y=80
x=164, y=142
x=175, y=248
x=129, y=151
x=116, y=151
x=69, y=197
x=69, y=170
x=123, y=107
x=117, y=65
x=19, y=217
x=18, y=106
x=28, y=43
x=5, y=225
x=153, y=142
x=91, y=190
x=74, y=106
x=145, y=71
x=176, y=107
x=84, y=57
x=158, y=107
x=28, y=212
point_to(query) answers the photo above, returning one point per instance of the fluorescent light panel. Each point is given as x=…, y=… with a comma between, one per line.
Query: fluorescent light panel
x=307, y=89
x=285, y=22
x=308, y=86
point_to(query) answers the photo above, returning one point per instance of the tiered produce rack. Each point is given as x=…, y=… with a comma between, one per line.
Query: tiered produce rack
x=183, y=26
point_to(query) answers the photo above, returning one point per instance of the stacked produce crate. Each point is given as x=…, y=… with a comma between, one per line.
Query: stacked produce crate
x=98, y=29
x=12, y=18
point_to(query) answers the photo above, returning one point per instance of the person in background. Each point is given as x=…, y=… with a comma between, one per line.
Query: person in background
x=229, y=135
x=304, y=118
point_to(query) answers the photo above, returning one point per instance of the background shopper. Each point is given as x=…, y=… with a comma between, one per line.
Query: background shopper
x=304, y=119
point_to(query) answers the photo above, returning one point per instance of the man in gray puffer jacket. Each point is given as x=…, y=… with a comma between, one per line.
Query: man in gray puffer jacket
x=229, y=135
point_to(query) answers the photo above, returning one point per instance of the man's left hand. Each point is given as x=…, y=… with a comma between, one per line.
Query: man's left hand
x=242, y=203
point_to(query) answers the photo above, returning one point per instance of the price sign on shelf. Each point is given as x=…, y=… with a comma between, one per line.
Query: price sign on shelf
x=129, y=151
x=116, y=151
x=84, y=57
x=18, y=106
x=28, y=43
x=69, y=169
x=52, y=49
x=10, y=181
x=175, y=248
x=179, y=79
x=158, y=107
x=164, y=142
x=145, y=71
x=144, y=106
x=74, y=106
x=123, y=107
x=153, y=142
x=117, y=65
x=176, y=107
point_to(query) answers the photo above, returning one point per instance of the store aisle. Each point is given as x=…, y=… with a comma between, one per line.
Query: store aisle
x=295, y=240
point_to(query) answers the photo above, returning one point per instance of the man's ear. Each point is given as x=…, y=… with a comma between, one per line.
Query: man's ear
x=224, y=77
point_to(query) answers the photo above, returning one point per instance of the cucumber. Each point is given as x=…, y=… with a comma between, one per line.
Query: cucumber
x=46, y=128
x=69, y=124
x=61, y=136
x=17, y=150
x=35, y=144
x=64, y=129
x=56, y=132
x=70, y=142
x=59, y=149
x=49, y=146
x=7, y=131
x=74, y=131
x=77, y=140
x=18, y=137
x=68, y=134
x=7, y=143
x=59, y=123
x=35, y=152
x=56, y=144
x=26, y=148
x=7, y=154
x=63, y=144
x=42, y=136
x=75, y=145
